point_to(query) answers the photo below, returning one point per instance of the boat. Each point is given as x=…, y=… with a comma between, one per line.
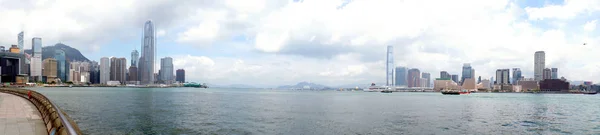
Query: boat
x=386, y=91
x=450, y=92
x=590, y=92
x=464, y=92
x=375, y=88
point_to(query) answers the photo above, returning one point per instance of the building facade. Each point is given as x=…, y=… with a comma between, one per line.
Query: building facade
x=554, y=73
x=554, y=85
x=166, y=70
x=180, y=76
x=94, y=72
x=50, y=70
x=401, y=76
x=118, y=69
x=516, y=76
x=36, y=59
x=502, y=76
x=467, y=72
x=389, y=67
x=21, y=44
x=147, y=59
x=445, y=75
x=455, y=78
x=539, y=65
x=61, y=65
x=104, y=70
x=427, y=78
x=414, y=78
x=547, y=74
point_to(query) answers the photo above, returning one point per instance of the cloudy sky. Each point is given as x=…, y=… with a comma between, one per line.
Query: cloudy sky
x=332, y=42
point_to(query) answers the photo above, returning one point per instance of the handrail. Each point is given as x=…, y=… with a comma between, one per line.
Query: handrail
x=49, y=111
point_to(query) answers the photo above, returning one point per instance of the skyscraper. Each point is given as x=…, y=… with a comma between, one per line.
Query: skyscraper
x=539, y=65
x=61, y=63
x=20, y=39
x=467, y=72
x=135, y=55
x=401, y=76
x=414, y=78
x=427, y=78
x=445, y=75
x=554, y=73
x=547, y=74
x=50, y=69
x=389, y=77
x=146, y=66
x=118, y=69
x=502, y=76
x=454, y=78
x=516, y=75
x=104, y=70
x=94, y=72
x=36, y=59
x=133, y=70
x=166, y=68
x=180, y=76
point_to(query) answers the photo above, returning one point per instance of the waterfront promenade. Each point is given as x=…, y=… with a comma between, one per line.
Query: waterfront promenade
x=18, y=116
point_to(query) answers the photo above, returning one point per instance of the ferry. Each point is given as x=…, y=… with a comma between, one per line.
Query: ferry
x=375, y=88
x=464, y=92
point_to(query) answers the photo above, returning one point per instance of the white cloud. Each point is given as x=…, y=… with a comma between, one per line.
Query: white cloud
x=590, y=26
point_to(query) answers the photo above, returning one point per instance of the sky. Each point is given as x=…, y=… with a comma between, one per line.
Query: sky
x=267, y=43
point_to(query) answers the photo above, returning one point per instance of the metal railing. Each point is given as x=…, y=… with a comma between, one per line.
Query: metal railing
x=56, y=121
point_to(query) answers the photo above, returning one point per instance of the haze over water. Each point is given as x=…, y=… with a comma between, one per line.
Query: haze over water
x=250, y=111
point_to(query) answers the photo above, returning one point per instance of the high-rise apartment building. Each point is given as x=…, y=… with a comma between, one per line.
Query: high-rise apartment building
x=516, y=76
x=180, y=76
x=36, y=59
x=146, y=63
x=414, y=78
x=104, y=70
x=445, y=75
x=118, y=69
x=166, y=68
x=401, y=76
x=427, y=78
x=547, y=74
x=454, y=78
x=502, y=76
x=21, y=44
x=539, y=65
x=554, y=73
x=389, y=67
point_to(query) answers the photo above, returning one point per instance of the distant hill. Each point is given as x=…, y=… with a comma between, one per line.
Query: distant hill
x=234, y=86
x=72, y=54
x=302, y=84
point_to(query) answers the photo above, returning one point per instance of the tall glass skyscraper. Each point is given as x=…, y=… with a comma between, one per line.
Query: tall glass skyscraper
x=389, y=77
x=61, y=64
x=467, y=72
x=401, y=76
x=21, y=45
x=36, y=59
x=146, y=63
x=134, y=58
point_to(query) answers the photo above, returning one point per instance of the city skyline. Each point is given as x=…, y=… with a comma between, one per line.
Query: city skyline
x=229, y=40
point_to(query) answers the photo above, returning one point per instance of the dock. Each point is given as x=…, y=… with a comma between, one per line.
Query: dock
x=27, y=112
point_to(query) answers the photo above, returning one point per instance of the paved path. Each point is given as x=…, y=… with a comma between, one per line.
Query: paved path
x=19, y=117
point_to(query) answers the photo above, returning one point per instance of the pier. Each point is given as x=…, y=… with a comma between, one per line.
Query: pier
x=26, y=112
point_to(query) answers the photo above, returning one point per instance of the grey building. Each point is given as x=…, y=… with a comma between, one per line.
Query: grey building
x=389, y=67
x=147, y=59
x=427, y=78
x=36, y=59
x=554, y=73
x=445, y=75
x=118, y=69
x=166, y=70
x=401, y=76
x=502, y=76
x=539, y=65
x=455, y=78
x=21, y=44
x=516, y=75
x=104, y=70
x=180, y=76
x=61, y=65
x=467, y=72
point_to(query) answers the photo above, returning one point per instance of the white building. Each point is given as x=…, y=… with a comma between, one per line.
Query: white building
x=104, y=70
x=36, y=59
x=539, y=65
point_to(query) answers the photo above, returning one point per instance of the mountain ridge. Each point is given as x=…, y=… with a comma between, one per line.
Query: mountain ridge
x=71, y=54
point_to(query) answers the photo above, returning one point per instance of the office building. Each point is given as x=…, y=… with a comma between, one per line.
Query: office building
x=427, y=78
x=104, y=70
x=539, y=65
x=554, y=73
x=180, y=76
x=147, y=59
x=455, y=78
x=467, y=72
x=445, y=75
x=36, y=59
x=11, y=67
x=554, y=85
x=50, y=70
x=166, y=70
x=414, y=78
x=14, y=49
x=502, y=76
x=389, y=67
x=423, y=82
x=20, y=39
x=547, y=74
x=94, y=72
x=401, y=76
x=118, y=69
x=61, y=63
x=516, y=76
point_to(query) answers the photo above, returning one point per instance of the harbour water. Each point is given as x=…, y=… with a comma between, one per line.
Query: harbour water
x=252, y=111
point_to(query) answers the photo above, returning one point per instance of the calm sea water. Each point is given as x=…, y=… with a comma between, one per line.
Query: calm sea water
x=248, y=111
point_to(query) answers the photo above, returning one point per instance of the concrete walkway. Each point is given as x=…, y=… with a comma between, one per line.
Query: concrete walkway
x=18, y=116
